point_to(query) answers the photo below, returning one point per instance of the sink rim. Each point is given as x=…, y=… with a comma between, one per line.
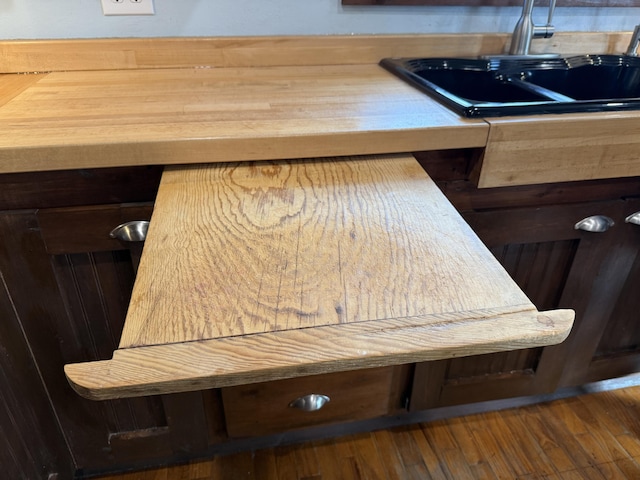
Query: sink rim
x=406, y=68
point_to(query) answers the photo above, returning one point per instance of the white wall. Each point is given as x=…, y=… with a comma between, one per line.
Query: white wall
x=39, y=19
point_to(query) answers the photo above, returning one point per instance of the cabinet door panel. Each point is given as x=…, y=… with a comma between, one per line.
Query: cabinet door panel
x=72, y=308
x=554, y=264
x=60, y=329
x=615, y=348
x=540, y=269
x=482, y=366
x=31, y=443
x=95, y=288
x=622, y=332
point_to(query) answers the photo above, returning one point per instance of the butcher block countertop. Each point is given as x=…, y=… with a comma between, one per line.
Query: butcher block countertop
x=65, y=120
x=67, y=104
x=261, y=271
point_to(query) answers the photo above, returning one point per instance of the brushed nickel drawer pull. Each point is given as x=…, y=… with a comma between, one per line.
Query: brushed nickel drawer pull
x=595, y=223
x=310, y=403
x=633, y=218
x=135, y=231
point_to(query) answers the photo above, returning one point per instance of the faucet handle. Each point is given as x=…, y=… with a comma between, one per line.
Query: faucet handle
x=546, y=31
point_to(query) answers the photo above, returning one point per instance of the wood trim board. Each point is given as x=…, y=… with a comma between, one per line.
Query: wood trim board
x=22, y=56
x=560, y=148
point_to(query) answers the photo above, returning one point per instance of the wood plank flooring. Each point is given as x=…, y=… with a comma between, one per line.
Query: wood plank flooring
x=593, y=436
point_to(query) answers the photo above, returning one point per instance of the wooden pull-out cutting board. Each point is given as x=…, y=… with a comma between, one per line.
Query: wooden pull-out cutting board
x=269, y=270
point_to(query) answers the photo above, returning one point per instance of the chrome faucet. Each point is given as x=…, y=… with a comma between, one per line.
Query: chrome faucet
x=525, y=30
x=632, y=49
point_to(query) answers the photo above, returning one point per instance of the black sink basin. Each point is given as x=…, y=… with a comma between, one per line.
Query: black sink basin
x=592, y=77
x=517, y=86
x=477, y=86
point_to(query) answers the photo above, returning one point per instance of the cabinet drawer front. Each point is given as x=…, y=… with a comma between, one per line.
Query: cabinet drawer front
x=86, y=229
x=82, y=187
x=263, y=408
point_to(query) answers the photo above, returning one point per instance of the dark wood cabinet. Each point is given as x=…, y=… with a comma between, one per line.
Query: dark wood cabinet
x=66, y=290
x=65, y=287
x=531, y=232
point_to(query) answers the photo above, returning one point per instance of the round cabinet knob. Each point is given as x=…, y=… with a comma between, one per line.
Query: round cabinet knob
x=310, y=403
x=633, y=218
x=595, y=223
x=135, y=231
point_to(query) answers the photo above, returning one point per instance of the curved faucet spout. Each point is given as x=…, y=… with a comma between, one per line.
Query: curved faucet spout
x=525, y=30
x=632, y=49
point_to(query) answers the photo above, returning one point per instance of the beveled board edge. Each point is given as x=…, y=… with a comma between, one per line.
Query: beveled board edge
x=25, y=56
x=191, y=366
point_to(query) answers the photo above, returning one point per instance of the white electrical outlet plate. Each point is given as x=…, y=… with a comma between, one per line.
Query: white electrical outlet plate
x=127, y=7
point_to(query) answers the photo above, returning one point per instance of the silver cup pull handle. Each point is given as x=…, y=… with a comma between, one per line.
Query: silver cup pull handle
x=135, y=231
x=595, y=223
x=310, y=403
x=633, y=218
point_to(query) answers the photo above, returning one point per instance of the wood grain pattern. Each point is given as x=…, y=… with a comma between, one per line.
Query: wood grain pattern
x=256, y=272
x=142, y=53
x=560, y=148
x=238, y=249
x=205, y=115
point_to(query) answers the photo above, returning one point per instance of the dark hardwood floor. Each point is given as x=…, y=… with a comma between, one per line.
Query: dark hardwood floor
x=591, y=436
